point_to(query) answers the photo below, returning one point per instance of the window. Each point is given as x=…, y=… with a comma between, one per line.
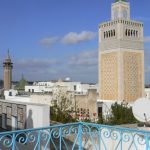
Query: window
x=111, y=33
x=4, y=123
x=100, y=111
x=75, y=87
x=129, y=32
x=14, y=123
x=114, y=32
x=10, y=93
x=136, y=33
x=104, y=35
x=126, y=33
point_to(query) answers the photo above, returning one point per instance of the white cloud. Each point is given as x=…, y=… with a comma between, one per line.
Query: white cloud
x=86, y=58
x=74, y=38
x=49, y=41
x=70, y=38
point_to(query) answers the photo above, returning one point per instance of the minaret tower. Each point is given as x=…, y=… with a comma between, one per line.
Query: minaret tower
x=8, y=65
x=121, y=56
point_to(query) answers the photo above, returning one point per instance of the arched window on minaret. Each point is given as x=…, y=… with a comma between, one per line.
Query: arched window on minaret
x=109, y=33
x=114, y=33
x=126, y=32
x=104, y=35
x=136, y=33
x=129, y=32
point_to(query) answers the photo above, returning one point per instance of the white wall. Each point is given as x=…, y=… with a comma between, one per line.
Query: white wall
x=106, y=107
x=39, y=115
x=50, y=87
x=14, y=97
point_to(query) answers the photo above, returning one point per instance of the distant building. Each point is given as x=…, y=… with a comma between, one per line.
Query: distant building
x=20, y=115
x=8, y=65
x=86, y=105
x=51, y=86
x=121, y=56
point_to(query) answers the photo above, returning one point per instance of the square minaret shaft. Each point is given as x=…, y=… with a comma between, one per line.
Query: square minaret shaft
x=121, y=56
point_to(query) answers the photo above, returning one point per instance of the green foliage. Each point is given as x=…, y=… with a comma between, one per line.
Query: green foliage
x=59, y=116
x=100, y=119
x=121, y=114
x=21, y=84
x=62, y=108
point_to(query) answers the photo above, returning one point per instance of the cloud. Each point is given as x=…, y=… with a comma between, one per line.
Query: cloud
x=69, y=38
x=85, y=58
x=35, y=69
x=74, y=38
x=49, y=41
x=147, y=39
x=84, y=66
x=35, y=63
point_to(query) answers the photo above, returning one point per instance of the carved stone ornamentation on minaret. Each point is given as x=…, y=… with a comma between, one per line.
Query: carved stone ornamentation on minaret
x=8, y=65
x=121, y=56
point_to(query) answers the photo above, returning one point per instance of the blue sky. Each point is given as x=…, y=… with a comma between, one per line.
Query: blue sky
x=51, y=39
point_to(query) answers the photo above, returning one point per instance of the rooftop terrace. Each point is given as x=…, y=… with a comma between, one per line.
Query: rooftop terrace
x=76, y=136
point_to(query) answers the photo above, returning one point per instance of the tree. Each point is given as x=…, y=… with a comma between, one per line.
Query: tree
x=63, y=106
x=121, y=114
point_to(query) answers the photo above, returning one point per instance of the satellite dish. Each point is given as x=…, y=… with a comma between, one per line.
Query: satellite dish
x=141, y=109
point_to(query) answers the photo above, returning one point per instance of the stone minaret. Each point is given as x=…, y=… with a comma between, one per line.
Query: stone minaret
x=8, y=65
x=121, y=56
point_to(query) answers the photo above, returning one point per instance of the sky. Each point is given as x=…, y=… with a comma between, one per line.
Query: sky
x=53, y=39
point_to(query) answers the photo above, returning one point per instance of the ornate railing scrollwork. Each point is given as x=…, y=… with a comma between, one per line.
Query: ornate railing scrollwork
x=69, y=136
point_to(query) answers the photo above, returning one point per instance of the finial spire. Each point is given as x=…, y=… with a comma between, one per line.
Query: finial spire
x=8, y=56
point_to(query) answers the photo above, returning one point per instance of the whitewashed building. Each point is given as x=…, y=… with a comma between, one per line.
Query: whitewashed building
x=43, y=87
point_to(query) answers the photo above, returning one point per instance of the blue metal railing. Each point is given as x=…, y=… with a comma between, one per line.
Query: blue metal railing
x=76, y=136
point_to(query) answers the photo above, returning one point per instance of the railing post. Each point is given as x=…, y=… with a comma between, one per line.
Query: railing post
x=147, y=141
x=99, y=138
x=121, y=138
x=39, y=140
x=13, y=141
x=80, y=136
x=60, y=138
